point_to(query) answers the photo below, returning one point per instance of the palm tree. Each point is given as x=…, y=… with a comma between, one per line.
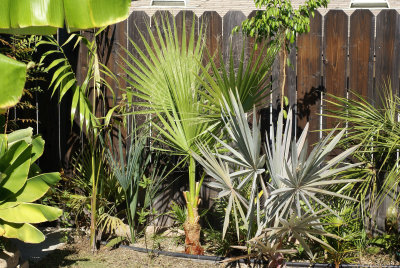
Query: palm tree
x=169, y=79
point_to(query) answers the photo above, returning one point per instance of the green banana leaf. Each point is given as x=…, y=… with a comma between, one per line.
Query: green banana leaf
x=84, y=14
x=36, y=187
x=44, y=17
x=12, y=81
x=19, y=135
x=37, y=148
x=15, y=165
x=24, y=232
x=29, y=213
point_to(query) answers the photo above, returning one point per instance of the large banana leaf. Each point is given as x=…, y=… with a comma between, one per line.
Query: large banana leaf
x=30, y=213
x=15, y=165
x=37, y=186
x=44, y=17
x=22, y=231
x=84, y=14
x=12, y=81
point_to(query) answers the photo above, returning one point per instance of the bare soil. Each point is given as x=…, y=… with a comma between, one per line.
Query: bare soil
x=78, y=254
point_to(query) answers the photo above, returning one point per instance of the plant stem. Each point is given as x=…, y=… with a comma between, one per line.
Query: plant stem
x=93, y=204
x=283, y=66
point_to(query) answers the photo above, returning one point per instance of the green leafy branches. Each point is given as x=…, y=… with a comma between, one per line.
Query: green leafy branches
x=279, y=16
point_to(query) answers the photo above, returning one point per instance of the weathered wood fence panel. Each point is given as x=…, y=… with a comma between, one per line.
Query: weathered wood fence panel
x=335, y=58
x=361, y=53
x=340, y=53
x=309, y=86
x=387, y=51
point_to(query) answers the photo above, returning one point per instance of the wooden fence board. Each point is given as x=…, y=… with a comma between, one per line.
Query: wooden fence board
x=335, y=58
x=361, y=53
x=309, y=78
x=387, y=51
x=189, y=18
x=230, y=21
x=211, y=22
x=138, y=32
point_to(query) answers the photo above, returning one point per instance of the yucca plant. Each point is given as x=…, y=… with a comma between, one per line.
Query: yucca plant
x=290, y=187
x=170, y=81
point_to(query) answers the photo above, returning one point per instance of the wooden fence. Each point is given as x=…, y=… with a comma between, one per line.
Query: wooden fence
x=341, y=52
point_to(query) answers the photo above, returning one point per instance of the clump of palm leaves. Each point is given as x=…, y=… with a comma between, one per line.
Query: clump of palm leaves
x=286, y=183
x=170, y=82
x=374, y=126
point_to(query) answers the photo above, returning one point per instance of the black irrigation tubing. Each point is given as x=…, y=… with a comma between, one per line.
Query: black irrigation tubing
x=218, y=259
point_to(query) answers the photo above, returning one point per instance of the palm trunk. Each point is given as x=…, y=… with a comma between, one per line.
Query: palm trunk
x=192, y=226
x=192, y=234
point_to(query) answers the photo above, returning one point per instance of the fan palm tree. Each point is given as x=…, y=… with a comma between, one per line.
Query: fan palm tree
x=169, y=79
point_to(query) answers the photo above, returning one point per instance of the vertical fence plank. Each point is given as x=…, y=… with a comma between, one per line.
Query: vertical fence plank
x=309, y=77
x=386, y=71
x=189, y=18
x=361, y=53
x=230, y=21
x=290, y=85
x=138, y=32
x=160, y=18
x=212, y=26
x=387, y=51
x=335, y=57
x=113, y=43
x=264, y=111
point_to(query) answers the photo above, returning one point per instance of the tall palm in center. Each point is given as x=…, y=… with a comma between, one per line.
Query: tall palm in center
x=169, y=79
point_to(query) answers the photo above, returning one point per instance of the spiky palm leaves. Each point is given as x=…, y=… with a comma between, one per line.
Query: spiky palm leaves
x=284, y=194
x=376, y=128
x=170, y=81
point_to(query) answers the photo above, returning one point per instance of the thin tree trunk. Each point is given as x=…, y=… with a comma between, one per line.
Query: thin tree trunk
x=283, y=68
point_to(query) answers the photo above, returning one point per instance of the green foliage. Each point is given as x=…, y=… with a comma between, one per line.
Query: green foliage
x=11, y=87
x=130, y=174
x=45, y=17
x=348, y=226
x=279, y=17
x=375, y=128
x=184, y=96
x=178, y=213
x=23, y=49
x=20, y=186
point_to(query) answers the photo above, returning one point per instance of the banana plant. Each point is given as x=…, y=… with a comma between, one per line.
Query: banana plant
x=44, y=18
x=21, y=184
x=284, y=181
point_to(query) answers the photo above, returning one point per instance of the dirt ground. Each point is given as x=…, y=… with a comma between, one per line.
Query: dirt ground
x=78, y=254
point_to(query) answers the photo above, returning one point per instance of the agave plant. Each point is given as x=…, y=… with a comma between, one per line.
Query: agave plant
x=21, y=184
x=290, y=186
x=170, y=82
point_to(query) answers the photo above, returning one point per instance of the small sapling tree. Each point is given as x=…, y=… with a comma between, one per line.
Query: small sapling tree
x=279, y=18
